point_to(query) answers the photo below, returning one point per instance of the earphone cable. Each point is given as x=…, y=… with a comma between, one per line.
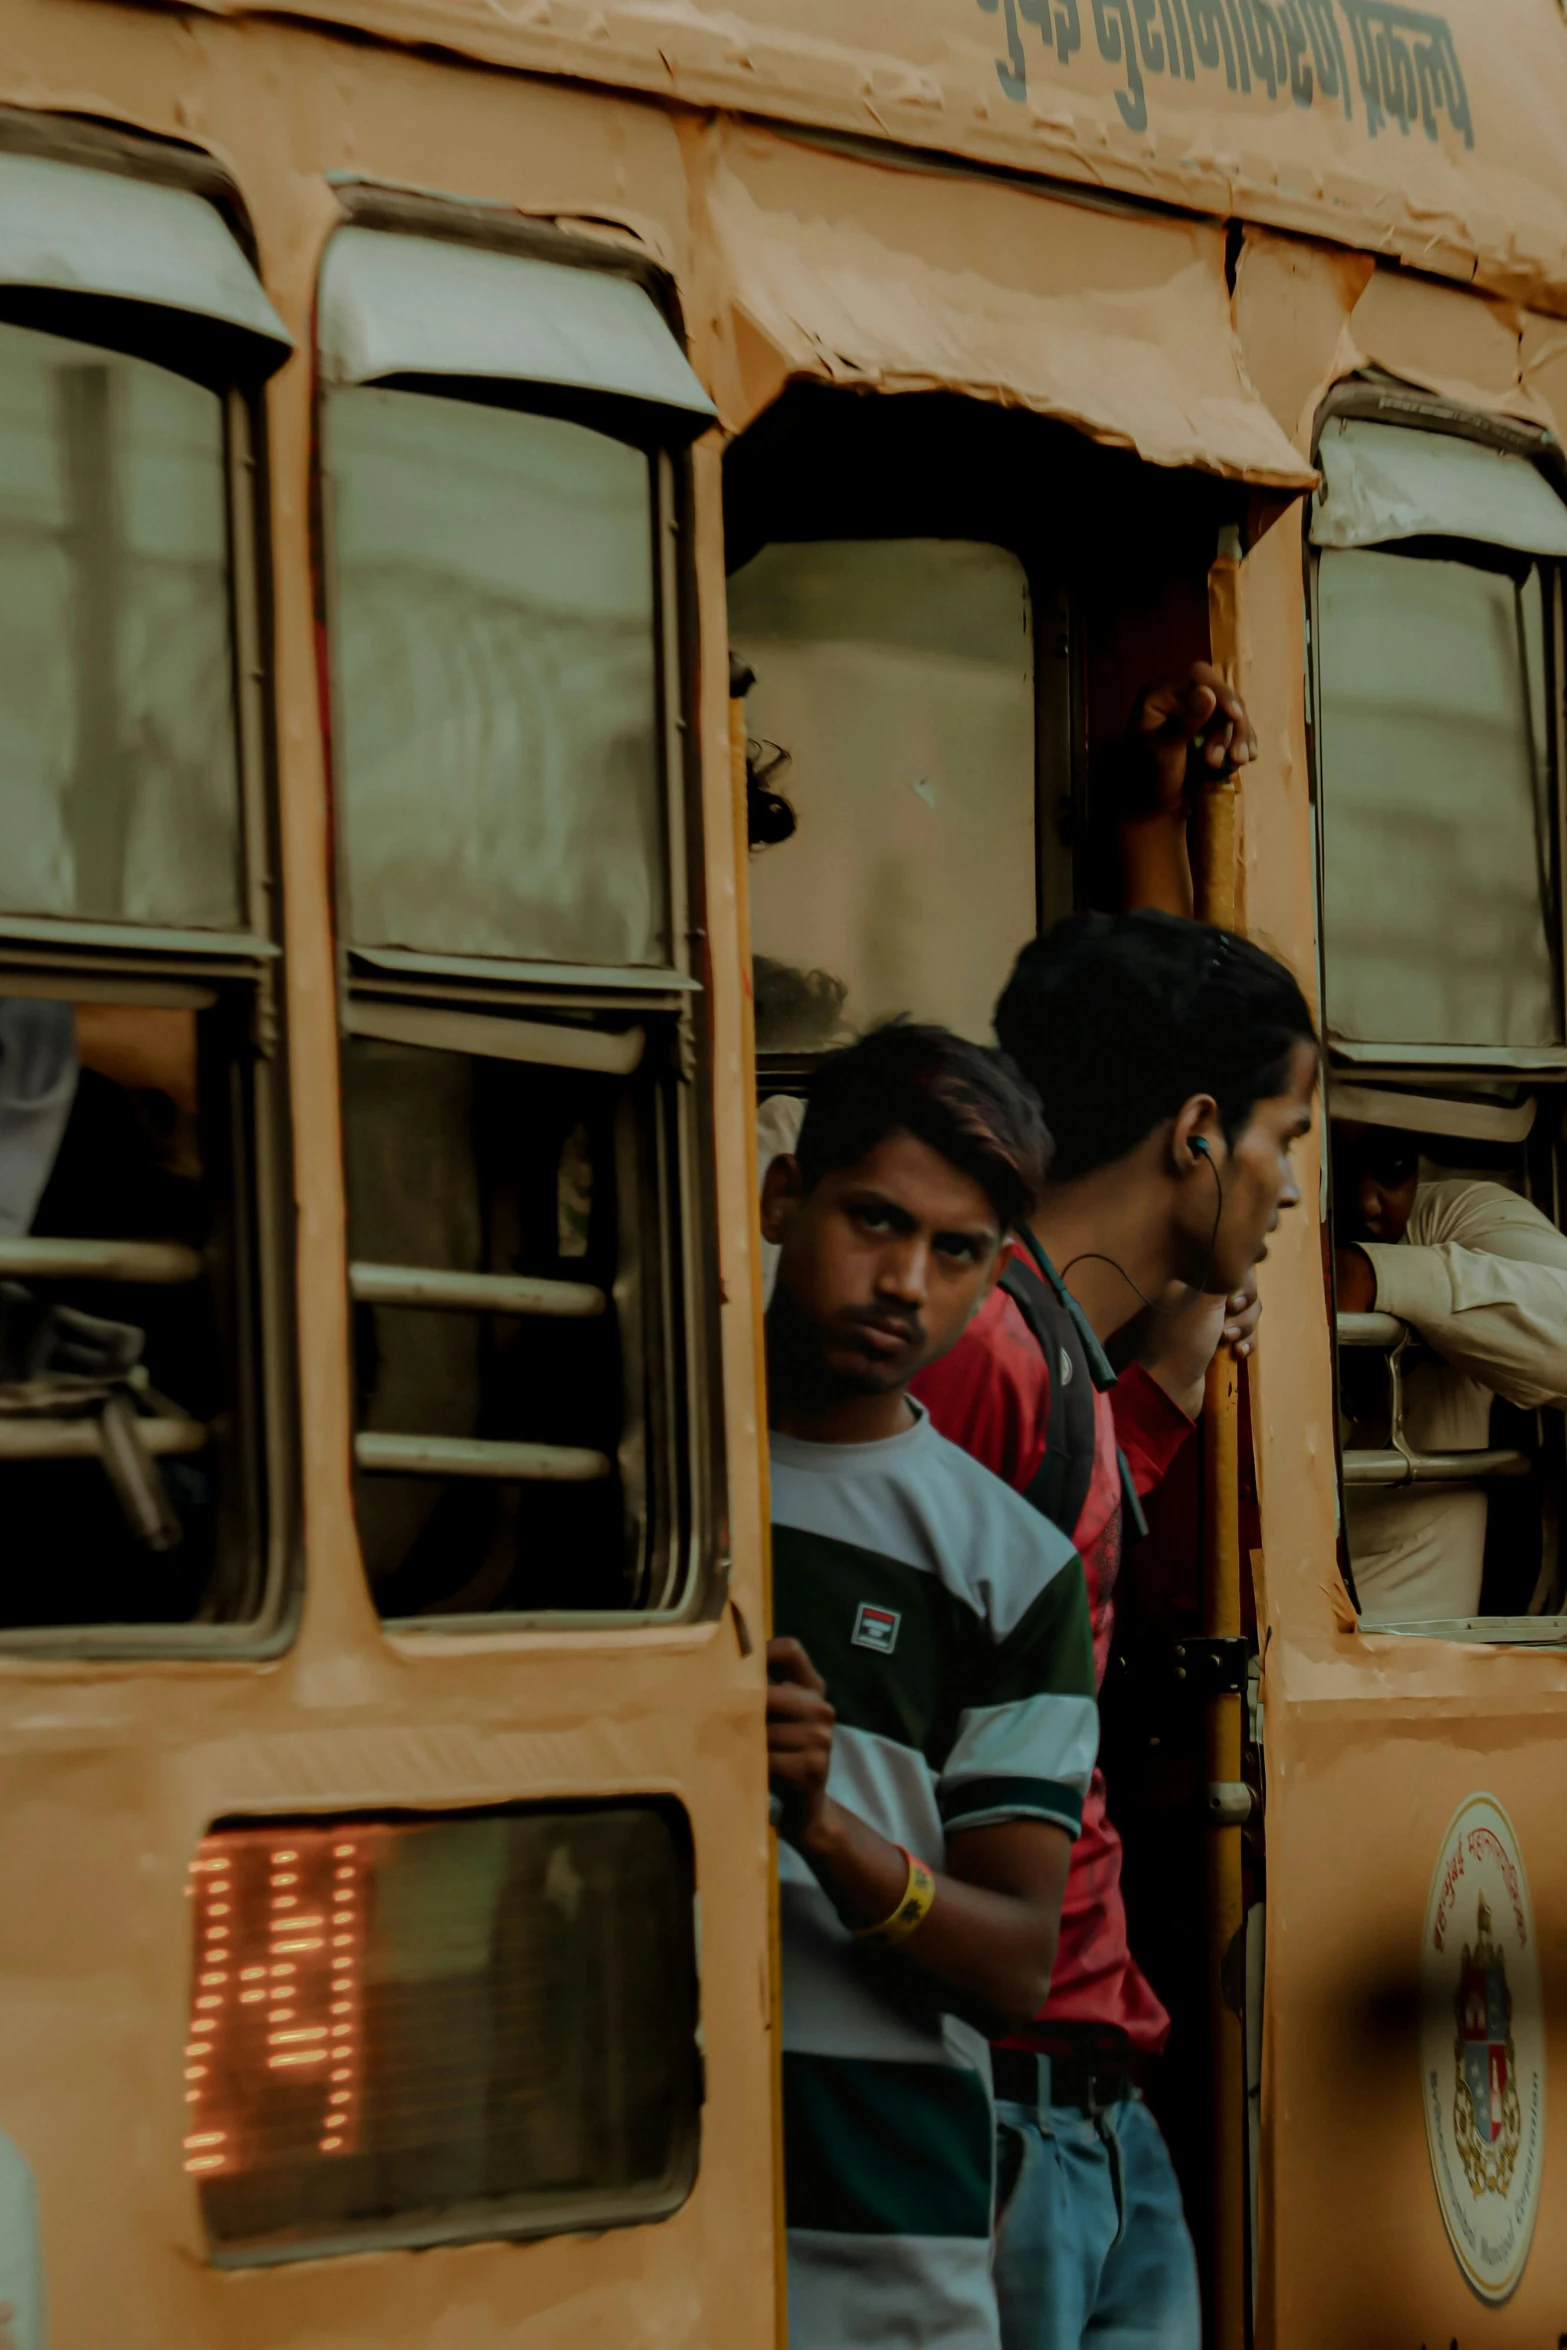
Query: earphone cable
x=1092, y=1256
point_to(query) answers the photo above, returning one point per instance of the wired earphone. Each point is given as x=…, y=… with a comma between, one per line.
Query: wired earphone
x=1198, y=1148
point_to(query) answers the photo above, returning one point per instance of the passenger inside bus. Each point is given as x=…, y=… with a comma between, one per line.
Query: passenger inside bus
x=108, y=1381
x=1479, y=1275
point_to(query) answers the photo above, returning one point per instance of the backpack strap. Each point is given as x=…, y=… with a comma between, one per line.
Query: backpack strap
x=1103, y=1375
x=1078, y=1368
x=1131, y=1499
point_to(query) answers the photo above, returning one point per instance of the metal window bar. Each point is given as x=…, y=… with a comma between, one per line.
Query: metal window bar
x=1401, y=1463
x=474, y=1456
x=148, y=1263
x=488, y=1293
x=474, y=1293
x=24, y=1437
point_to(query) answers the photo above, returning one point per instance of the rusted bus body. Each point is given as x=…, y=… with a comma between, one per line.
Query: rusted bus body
x=1157, y=238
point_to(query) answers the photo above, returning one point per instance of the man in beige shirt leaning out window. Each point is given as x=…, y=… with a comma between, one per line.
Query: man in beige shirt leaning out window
x=1480, y=1276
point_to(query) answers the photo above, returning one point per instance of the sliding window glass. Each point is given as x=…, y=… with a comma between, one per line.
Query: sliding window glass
x=1435, y=752
x=141, y=1328
x=520, y=1021
x=894, y=702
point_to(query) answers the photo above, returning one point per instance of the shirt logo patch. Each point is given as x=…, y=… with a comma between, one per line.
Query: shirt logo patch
x=876, y=1627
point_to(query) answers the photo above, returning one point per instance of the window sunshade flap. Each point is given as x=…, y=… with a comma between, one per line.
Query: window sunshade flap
x=1383, y=482
x=72, y=230
x=398, y=306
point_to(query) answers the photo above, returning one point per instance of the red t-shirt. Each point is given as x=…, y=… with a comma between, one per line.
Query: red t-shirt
x=991, y=1394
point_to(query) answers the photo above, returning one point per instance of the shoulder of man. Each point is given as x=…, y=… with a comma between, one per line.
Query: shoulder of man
x=991, y=1393
x=1468, y=1211
x=1002, y=1552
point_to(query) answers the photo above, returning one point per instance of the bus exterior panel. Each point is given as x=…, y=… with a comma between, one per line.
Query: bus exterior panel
x=119, y=1768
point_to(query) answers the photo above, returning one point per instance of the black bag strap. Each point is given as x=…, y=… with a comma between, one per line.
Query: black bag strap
x=1061, y=1484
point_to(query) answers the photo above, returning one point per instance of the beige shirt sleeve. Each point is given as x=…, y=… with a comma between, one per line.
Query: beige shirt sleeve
x=1482, y=1276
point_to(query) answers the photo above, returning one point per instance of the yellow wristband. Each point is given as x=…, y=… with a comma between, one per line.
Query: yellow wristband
x=913, y=1908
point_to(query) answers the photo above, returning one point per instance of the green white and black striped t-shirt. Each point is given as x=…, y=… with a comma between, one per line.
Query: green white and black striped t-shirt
x=950, y=1623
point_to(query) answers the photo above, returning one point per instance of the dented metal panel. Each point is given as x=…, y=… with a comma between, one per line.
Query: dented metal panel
x=1432, y=134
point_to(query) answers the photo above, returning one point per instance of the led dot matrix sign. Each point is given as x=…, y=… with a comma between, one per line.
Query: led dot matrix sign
x=415, y=2029
x=272, y=2057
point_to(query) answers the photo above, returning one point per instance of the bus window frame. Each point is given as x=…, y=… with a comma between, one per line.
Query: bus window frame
x=131, y=963
x=688, y=1488
x=575, y=2210
x=1376, y=401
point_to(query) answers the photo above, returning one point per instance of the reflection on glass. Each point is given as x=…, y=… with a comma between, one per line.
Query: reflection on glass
x=497, y=707
x=120, y=798
x=1436, y=915
x=444, y=2026
x=899, y=677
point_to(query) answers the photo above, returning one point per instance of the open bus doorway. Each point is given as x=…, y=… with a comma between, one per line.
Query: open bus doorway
x=947, y=611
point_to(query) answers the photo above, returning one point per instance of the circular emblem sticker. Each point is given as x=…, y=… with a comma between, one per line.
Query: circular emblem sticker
x=1482, y=2050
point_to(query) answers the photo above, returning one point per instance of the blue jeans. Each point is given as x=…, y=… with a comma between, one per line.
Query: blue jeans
x=1091, y=2242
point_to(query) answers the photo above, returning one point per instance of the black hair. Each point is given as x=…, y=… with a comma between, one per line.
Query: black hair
x=796, y=1011
x=1117, y=1019
x=963, y=1100
x=1389, y=1153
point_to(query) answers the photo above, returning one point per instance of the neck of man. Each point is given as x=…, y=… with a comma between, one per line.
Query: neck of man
x=1110, y=1223
x=847, y=1419
x=805, y=1400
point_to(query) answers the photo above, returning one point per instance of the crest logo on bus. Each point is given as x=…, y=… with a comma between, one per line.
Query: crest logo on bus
x=1482, y=2047
x=1487, y=2126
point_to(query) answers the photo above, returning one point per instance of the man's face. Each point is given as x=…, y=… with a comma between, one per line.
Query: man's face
x=1375, y=1174
x=1258, y=1182
x=882, y=1265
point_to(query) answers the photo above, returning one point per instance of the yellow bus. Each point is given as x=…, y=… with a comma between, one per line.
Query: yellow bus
x=408, y=410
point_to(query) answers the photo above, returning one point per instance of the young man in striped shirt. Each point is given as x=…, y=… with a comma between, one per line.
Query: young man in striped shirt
x=931, y=1718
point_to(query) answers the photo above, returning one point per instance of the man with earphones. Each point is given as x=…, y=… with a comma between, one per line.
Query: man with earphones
x=1177, y=1065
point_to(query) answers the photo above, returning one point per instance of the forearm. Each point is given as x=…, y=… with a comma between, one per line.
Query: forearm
x=1155, y=866
x=1502, y=1321
x=1176, y=1351
x=986, y=1947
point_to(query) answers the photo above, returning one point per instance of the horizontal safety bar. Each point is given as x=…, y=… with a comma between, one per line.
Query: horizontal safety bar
x=472, y=1456
x=154, y=1262
x=481, y=1293
x=1370, y=1329
x=1432, y=1468
x=25, y=1438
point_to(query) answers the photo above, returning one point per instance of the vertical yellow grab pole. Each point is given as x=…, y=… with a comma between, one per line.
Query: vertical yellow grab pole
x=737, y=776
x=1216, y=902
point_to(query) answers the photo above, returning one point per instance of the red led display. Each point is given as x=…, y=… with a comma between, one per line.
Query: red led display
x=273, y=2055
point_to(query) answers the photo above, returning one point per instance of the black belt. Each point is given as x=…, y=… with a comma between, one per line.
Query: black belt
x=1093, y=2089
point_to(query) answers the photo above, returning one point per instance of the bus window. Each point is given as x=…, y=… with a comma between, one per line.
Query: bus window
x=1436, y=668
x=415, y=2031
x=523, y=1152
x=897, y=677
x=140, y=1249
